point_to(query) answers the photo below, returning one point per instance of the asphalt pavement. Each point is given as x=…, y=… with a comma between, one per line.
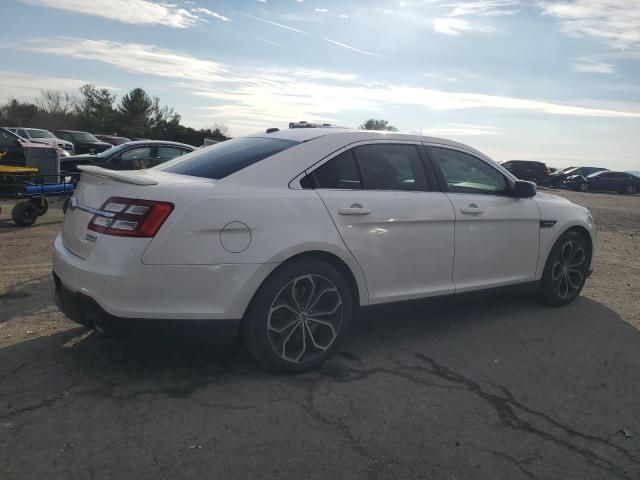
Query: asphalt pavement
x=494, y=388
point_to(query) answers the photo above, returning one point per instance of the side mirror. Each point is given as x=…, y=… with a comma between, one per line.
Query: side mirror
x=524, y=189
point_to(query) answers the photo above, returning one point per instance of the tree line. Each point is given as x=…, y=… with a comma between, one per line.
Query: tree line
x=136, y=115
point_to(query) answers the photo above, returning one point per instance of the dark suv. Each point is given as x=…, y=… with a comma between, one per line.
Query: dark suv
x=557, y=178
x=536, y=172
x=83, y=142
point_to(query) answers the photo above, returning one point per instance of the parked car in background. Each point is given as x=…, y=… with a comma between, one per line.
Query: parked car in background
x=557, y=179
x=532, y=171
x=605, y=181
x=113, y=139
x=83, y=142
x=283, y=236
x=39, y=135
x=12, y=148
x=128, y=156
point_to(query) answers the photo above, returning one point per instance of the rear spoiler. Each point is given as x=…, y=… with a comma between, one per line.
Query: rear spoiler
x=135, y=177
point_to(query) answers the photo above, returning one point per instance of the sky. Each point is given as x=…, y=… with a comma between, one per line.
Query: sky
x=552, y=80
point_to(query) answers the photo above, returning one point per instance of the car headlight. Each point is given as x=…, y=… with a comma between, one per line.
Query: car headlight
x=63, y=153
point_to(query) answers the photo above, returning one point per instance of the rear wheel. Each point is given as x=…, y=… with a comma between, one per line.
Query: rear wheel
x=299, y=316
x=41, y=204
x=631, y=190
x=24, y=214
x=566, y=270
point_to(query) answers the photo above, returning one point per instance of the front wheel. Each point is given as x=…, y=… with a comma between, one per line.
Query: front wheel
x=631, y=190
x=299, y=316
x=566, y=270
x=583, y=187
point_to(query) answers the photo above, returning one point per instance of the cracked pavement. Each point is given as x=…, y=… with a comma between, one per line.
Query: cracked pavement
x=495, y=387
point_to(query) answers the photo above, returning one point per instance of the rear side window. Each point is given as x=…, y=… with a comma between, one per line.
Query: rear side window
x=340, y=172
x=390, y=167
x=224, y=158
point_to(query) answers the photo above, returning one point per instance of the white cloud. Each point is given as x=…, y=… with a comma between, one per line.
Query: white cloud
x=344, y=16
x=132, y=57
x=616, y=22
x=456, y=26
x=458, y=129
x=23, y=85
x=264, y=96
x=486, y=8
x=321, y=10
x=269, y=42
x=586, y=65
x=286, y=27
x=206, y=11
x=126, y=11
x=353, y=49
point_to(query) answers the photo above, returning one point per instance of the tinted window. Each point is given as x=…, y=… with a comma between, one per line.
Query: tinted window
x=339, y=172
x=135, y=159
x=389, y=167
x=465, y=173
x=22, y=133
x=6, y=139
x=167, y=153
x=225, y=158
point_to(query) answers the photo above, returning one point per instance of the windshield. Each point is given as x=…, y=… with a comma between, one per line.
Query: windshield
x=36, y=133
x=225, y=158
x=85, y=137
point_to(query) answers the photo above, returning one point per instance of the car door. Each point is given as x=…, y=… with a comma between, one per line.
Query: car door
x=399, y=231
x=496, y=234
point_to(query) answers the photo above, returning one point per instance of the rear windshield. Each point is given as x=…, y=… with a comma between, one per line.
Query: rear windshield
x=225, y=158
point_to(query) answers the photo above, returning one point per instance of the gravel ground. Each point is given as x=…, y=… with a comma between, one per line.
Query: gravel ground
x=497, y=387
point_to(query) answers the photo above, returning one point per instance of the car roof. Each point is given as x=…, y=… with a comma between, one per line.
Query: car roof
x=306, y=134
x=74, y=131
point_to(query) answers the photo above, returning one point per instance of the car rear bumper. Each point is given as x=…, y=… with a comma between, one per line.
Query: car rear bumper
x=84, y=310
x=122, y=286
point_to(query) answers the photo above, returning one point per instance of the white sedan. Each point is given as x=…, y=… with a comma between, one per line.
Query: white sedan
x=284, y=235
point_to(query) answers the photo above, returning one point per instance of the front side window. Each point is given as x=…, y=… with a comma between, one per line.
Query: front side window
x=464, y=173
x=389, y=166
x=225, y=158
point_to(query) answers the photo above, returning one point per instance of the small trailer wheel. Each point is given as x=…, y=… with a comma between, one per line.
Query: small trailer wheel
x=41, y=204
x=24, y=214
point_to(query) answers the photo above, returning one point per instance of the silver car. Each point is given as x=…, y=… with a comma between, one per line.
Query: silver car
x=39, y=135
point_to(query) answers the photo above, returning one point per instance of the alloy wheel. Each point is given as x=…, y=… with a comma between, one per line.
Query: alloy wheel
x=567, y=273
x=584, y=187
x=632, y=190
x=305, y=318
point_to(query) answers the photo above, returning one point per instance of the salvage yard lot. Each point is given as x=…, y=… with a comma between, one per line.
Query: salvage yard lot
x=498, y=387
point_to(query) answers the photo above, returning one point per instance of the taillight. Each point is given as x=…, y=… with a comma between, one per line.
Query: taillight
x=127, y=217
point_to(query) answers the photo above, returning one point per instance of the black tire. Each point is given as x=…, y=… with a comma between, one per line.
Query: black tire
x=583, y=187
x=24, y=214
x=566, y=269
x=631, y=190
x=65, y=205
x=42, y=205
x=260, y=335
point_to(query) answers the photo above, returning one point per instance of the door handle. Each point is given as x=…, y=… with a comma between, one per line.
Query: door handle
x=355, y=209
x=472, y=209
